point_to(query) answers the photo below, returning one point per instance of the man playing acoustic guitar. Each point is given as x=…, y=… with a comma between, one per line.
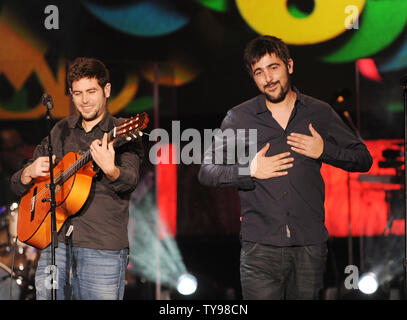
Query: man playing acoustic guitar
x=92, y=251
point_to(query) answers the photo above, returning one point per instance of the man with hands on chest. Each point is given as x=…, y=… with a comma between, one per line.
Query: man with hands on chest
x=283, y=234
x=263, y=167
x=273, y=79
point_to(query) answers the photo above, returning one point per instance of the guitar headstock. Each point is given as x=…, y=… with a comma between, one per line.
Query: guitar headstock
x=131, y=128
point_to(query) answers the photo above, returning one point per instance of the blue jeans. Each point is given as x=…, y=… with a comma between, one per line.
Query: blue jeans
x=83, y=274
x=269, y=273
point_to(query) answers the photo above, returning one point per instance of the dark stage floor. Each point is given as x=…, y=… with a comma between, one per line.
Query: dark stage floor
x=214, y=260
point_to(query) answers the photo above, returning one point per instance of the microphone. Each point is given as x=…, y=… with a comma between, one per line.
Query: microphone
x=47, y=101
x=347, y=115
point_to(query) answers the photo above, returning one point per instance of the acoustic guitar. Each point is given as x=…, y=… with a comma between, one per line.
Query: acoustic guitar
x=73, y=179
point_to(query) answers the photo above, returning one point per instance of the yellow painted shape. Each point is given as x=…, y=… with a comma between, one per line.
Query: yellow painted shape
x=272, y=17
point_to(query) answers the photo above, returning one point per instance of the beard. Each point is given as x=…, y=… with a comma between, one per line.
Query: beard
x=284, y=89
x=281, y=96
x=89, y=117
x=94, y=113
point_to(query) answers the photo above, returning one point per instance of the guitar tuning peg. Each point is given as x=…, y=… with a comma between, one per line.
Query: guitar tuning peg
x=128, y=138
x=140, y=133
x=134, y=135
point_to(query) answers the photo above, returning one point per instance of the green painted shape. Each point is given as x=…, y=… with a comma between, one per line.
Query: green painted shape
x=380, y=24
x=18, y=103
x=395, y=107
x=297, y=13
x=217, y=5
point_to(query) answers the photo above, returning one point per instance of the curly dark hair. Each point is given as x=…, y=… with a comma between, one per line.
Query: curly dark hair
x=261, y=46
x=87, y=68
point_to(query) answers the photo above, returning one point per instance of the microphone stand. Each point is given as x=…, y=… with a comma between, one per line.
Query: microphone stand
x=47, y=101
x=350, y=240
x=403, y=83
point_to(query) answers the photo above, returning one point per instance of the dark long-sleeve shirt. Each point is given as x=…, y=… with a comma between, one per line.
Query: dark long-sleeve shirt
x=286, y=210
x=102, y=221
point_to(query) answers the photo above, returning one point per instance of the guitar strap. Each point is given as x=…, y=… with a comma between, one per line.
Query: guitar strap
x=69, y=261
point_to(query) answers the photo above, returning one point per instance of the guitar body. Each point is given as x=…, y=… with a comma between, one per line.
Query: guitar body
x=34, y=216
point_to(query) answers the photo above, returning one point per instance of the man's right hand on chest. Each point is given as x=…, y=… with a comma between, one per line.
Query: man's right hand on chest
x=263, y=167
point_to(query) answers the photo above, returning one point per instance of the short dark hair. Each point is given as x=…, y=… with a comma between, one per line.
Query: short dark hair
x=263, y=45
x=87, y=68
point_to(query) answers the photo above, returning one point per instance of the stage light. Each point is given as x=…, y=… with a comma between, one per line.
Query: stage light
x=368, y=283
x=154, y=253
x=382, y=275
x=13, y=206
x=187, y=284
